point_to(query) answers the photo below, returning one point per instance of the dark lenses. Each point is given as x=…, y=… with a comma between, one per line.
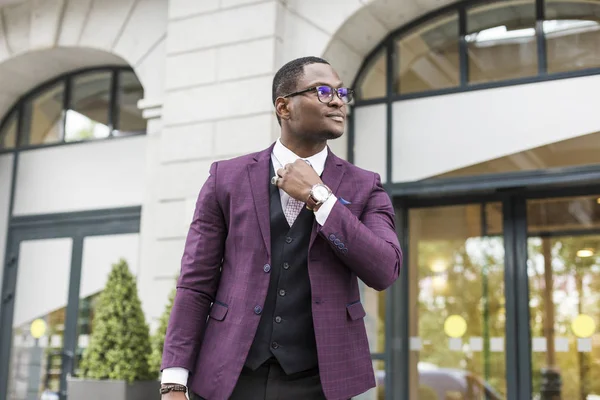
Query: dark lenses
x=325, y=93
x=345, y=94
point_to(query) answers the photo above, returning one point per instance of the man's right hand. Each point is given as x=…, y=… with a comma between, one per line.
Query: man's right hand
x=174, y=396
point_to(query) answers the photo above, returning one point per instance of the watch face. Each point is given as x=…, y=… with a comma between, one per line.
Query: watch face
x=321, y=193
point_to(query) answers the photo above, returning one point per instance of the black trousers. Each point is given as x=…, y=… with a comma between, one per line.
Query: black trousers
x=270, y=382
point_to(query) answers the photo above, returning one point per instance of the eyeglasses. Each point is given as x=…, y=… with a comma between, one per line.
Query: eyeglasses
x=325, y=93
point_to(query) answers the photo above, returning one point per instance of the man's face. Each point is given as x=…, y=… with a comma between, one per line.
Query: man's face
x=311, y=118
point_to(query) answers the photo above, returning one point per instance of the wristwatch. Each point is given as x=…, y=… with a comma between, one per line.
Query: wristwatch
x=318, y=195
x=164, y=389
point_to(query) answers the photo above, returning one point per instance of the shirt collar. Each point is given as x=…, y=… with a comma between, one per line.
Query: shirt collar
x=286, y=156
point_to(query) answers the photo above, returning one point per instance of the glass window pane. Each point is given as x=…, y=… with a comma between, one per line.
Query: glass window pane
x=8, y=134
x=87, y=117
x=428, y=57
x=373, y=80
x=43, y=116
x=501, y=41
x=130, y=116
x=572, y=30
x=457, y=305
x=564, y=296
x=563, y=214
x=41, y=294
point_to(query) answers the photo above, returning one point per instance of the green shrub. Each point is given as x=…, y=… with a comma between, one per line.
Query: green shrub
x=158, y=339
x=120, y=339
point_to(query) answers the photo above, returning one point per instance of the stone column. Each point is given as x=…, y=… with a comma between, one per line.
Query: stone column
x=220, y=60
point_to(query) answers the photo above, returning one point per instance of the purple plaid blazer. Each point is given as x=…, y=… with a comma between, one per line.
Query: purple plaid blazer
x=222, y=281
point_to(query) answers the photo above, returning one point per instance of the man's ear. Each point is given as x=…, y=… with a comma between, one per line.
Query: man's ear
x=281, y=108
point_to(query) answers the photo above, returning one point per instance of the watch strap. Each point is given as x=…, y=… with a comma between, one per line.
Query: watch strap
x=167, y=388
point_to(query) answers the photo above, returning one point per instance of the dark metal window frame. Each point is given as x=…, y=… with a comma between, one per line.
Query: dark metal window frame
x=77, y=226
x=513, y=191
x=66, y=81
x=391, y=55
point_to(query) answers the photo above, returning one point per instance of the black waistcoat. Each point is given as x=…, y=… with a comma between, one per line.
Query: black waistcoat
x=285, y=330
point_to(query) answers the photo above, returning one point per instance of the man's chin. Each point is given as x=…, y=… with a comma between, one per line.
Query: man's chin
x=333, y=134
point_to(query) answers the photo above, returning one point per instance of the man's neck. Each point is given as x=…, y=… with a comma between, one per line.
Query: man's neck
x=303, y=149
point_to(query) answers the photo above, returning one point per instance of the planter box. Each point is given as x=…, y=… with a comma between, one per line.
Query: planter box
x=87, y=389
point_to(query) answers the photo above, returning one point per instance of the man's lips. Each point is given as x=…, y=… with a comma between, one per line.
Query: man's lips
x=337, y=117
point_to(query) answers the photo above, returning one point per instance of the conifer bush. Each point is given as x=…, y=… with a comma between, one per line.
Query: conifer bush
x=119, y=346
x=158, y=339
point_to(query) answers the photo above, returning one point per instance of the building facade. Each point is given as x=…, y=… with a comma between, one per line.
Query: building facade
x=480, y=116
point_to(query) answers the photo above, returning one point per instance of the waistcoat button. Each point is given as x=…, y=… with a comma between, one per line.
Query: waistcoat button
x=286, y=266
x=288, y=240
x=282, y=292
x=278, y=319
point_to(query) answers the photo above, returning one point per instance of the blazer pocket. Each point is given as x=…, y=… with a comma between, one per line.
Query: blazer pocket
x=218, y=311
x=356, y=310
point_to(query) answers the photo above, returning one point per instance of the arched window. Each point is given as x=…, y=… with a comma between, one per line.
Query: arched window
x=86, y=105
x=480, y=44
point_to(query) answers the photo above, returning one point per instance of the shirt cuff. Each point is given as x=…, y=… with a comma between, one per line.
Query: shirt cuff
x=175, y=375
x=323, y=212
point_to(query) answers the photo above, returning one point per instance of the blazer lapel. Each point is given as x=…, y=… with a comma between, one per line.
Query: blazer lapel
x=332, y=177
x=259, y=182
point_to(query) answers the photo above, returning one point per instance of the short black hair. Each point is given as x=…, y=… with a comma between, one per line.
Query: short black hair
x=286, y=79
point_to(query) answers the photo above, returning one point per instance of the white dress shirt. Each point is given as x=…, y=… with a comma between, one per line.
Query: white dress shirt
x=280, y=156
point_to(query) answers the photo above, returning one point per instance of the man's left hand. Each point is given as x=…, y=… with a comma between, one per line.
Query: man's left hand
x=297, y=179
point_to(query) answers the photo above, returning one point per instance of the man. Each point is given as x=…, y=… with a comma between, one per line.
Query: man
x=268, y=304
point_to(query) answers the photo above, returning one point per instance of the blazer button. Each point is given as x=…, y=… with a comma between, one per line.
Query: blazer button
x=267, y=268
x=332, y=237
x=257, y=310
x=337, y=242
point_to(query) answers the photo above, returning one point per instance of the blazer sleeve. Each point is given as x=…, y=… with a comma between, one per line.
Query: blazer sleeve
x=198, y=280
x=368, y=246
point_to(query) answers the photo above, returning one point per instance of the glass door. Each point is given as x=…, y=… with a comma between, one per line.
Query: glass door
x=37, y=358
x=456, y=304
x=564, y=296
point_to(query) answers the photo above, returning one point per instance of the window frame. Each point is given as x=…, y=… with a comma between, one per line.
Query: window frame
x=67, y=82
x=464, y=86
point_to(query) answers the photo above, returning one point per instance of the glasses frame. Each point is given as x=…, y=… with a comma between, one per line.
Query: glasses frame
x=334, y=90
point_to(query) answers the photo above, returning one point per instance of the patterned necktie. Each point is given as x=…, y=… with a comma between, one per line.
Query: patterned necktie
x=292, y=210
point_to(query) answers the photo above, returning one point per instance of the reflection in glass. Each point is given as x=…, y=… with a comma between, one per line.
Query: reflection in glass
x=572, y=30
x=562, y=214
x=87, y=117
x=564, y=286
x=428, y=56
x=130, y=116
x=372, y=83
x=501, y=41
x=8, y=134
x=37, y=361
x=456, y=269
x=42, y=122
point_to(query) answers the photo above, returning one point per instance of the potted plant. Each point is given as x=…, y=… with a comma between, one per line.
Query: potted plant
x=115, y=365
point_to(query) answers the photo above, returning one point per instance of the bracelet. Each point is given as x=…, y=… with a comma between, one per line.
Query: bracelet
x=164, y=389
